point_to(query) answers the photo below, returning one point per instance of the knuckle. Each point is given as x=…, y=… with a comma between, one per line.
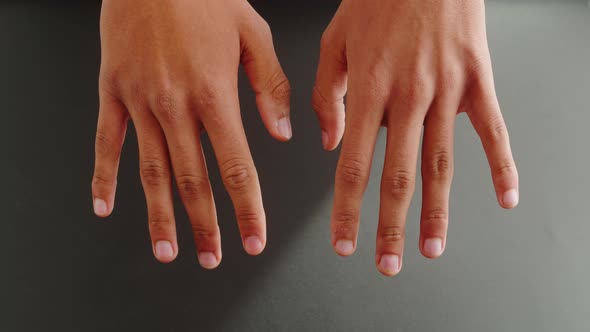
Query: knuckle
x=478, y=63
x=153, y=172
x=392, y=233
x=209, y=94
x=237, y=173
x=414, y=91
x=352, y=171
x=398, y=183
x=505, y=168
x=280, y=88
x=264, y=27
x=451, y=80
x=375, y=83
x=191, y=186
x=248, y=218
x=100, y=180
x=375, y=89
x=104, y=145
x=495, y=130
x=344, y=222
x=109, y=82
x=202, y=232
x=319, y=102
x=135, y=97
x=435, y=217
x=159, y=222
x=167, y=104
x=439, y=165
x=343, y=218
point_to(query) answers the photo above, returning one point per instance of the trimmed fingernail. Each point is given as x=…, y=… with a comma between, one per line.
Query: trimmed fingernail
x=344, y=247
x=207, y=260
x=433, y=247
x=389, y=264
x=253, y=245
x=325, y=139
x=164, y=251
x=284, y=127
x=510, y=198
x=100, y=207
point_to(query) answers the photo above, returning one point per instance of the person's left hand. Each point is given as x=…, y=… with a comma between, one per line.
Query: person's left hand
x=407, y=64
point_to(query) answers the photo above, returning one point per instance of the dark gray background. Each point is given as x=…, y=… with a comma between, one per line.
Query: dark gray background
x=65, y=270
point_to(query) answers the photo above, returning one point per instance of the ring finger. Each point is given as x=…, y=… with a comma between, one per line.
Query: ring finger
x=397, y=184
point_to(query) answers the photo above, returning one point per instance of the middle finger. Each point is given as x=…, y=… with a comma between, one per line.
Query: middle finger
x=220, y=113
x=404, y=126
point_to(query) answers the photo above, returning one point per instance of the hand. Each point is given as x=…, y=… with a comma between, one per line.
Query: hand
x=171, y=66
x=407, y=64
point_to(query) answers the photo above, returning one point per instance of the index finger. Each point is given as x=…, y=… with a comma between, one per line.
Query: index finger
x=223, y=124
x=488, y=121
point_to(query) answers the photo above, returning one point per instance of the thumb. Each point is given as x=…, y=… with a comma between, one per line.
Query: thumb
x=267, y=78
x=330, y=88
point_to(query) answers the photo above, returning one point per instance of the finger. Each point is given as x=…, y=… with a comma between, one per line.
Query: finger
x=266, y=77
x=437, y=174
x=330, y=88
x=397, y=185
x=190, y=170
x=352, y=173
x=224, y=126
x=486, y=117
x=155, y=177
x=110, y=135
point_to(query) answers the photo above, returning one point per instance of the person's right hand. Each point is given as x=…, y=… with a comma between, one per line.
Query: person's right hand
x=171, y=66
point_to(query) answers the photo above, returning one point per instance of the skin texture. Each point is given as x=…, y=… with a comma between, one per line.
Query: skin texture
x=171, y=67
x=410, y=66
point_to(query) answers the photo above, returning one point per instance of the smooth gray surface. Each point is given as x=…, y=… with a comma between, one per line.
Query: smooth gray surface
x=524, y=270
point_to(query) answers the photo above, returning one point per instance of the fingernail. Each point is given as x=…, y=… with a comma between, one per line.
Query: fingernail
x=433, y=247
x=284, y=127
x=100, y=207
x=389, y=264
x=344, y=247
x=325, y=139
x=510, y=198
x=164, y=251
x=207, y=260
x=253, y=245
